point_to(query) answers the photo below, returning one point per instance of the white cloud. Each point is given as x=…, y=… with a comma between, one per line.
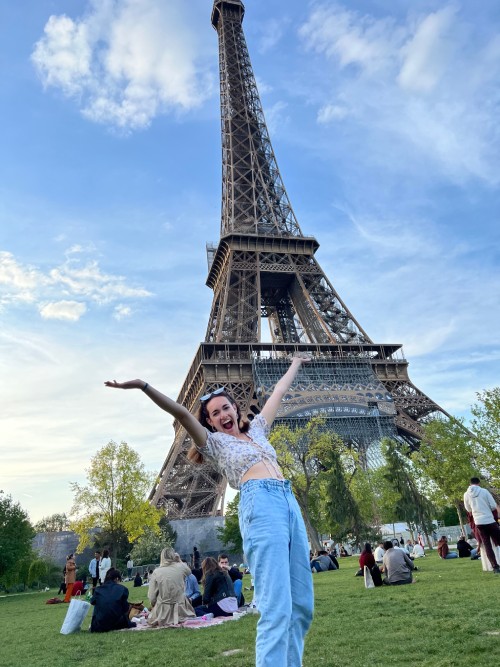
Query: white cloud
x=73, y=278
x=126, y=61
x=350, y=38
x=13, y=275
x=425, y=56
x=276, y=117
x=425, y=88
x=332, y=112
x=89, y=281
x=121, y=312
x=70, y=311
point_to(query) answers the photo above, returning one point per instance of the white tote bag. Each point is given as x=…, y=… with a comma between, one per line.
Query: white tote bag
x=368, y=578
x=75, y=615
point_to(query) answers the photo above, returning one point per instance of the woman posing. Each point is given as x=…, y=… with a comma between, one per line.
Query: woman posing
x=273, y=531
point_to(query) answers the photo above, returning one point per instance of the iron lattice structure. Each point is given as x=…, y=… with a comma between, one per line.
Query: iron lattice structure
x=264, y=271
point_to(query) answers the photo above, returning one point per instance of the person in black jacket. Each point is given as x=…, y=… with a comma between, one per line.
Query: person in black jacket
x=111, y=606
x=463, y=547
x=236, y=577
x=218, y=591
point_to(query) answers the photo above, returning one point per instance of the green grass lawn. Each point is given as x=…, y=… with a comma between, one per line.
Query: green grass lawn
x=450, y=617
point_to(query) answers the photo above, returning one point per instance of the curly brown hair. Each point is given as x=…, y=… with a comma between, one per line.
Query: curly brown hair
x=202, y=416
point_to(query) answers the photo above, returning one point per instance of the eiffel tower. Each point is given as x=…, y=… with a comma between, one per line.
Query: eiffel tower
x=264, y=273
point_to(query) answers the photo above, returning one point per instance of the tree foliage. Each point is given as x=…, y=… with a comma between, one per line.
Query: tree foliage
x=230, y=534
x=408, y=503
x=55, y=523
x=148, y=547
x=363, y=486
x=305, y=455
x=449, y=457
x=341, y=511
x=16, y=534
x=114, y=498
x=486, y=426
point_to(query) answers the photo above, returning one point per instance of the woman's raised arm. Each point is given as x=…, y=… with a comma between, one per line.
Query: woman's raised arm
x=282, y=386
x=178, y=411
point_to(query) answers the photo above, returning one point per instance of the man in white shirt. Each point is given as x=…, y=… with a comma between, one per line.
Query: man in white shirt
x=481, y=504
x=379, y=552
x=418, y=551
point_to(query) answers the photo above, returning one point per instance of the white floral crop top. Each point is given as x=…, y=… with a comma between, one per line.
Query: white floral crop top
x=233, y=457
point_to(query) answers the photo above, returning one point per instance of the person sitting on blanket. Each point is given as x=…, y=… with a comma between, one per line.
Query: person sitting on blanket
x=110, y=602
x=192, y=589
x=137, y=580
x=219, y=598
x=166, y=591
x=236, y=577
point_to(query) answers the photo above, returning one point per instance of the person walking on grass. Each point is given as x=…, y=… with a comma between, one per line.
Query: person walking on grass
x=270, y=520
x=481, y=504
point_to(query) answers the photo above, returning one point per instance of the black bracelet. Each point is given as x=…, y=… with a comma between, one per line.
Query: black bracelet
x=145, y=387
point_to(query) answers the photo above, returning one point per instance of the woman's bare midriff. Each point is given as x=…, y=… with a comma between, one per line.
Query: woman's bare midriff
x=260, y=471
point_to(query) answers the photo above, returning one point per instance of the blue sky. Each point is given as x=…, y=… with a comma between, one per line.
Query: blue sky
x=384, y=120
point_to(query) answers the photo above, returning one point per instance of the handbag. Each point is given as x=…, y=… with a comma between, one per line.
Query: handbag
x=75, y=616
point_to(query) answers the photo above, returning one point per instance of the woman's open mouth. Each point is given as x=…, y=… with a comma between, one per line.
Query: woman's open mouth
x=228, y=425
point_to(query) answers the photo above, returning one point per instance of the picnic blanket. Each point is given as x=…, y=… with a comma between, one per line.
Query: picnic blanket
x=190, y=623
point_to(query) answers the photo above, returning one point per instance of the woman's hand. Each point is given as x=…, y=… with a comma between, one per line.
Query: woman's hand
x=271, y=407
x=130, y=384
x=301, y=358
x=186, y=419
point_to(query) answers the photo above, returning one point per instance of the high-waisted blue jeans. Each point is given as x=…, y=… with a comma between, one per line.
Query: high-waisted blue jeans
x=277, y=552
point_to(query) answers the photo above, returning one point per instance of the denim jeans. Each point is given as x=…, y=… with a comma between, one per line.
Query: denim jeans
x=276, y=547
x=238, y=586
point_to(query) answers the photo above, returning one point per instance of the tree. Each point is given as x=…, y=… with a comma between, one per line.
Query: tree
x=408, y=502
x=114, y=499
x=148, y=547
x=363, y=486
x=16, y=534
x=230, y=534
x=447, y=455
x=55, y=523
x=486, y=425
x=304, y=455
x=51, y=526
x=342, y=514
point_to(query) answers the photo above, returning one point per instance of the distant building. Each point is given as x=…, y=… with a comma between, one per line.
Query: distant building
x=55, y=546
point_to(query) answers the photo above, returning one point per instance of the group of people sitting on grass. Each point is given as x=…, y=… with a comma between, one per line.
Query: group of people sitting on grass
x=173, y=593
x=389, y=559
x=324, y=560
